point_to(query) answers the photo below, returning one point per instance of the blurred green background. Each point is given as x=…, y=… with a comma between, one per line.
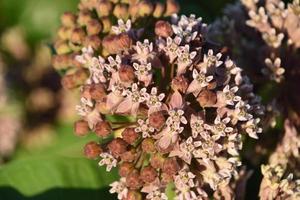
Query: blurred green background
x=49, y=163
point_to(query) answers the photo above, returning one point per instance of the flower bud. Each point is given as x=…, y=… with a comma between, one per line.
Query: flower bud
x=171, y=166
x=103, y=129
x=129, y=135
x=85, y=91
x=126, y=73
x=93, y=27
x=159, y=10
x=163, y=29
x=180, y=84
x=84, y=17
x=101, y=106
x=60, y=62
x=129, y=156
x=148, y=174
x=104, y=8
x=148, y=145
x=133, y=195
x=117, y=43
x=62, y=47
x=133, y=180
x=77, y=36
x=93, y=41
x=172, y=7
x=81, y=128
x=121, y=11
x=97, y=91
x=117, y=147
x=92, y=150
x=157, y=161
x=64, y=33
x=145, y=8
x=166, y=178
x=106, y=23
x=125, y=168
x=207, y=98
x=68, y=81
x=157, y=119
x=68, y=19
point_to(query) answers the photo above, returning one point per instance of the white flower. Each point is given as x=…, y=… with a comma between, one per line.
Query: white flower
x=229, y=95
x=172, y=47
x=86, y=57
x=185, y=58
x=143, y=72
x=176, y=116
x=120, y=188
x=97, y=68
x=274, y=69
x=122, y=27
x=252, y=127
x=156, y=195
x=200, y=81
x=272, y=39
x=144, y=51
x=108, y=160
x=196, y=124
x=219, y=128
x=144, y=127
x=114, y=63
x=211, y=60
x=85, y=106
x=154, y=100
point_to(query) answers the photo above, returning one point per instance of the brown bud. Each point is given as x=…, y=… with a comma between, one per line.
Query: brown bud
x=145, y=8
x=163, y=29
x=81, y=128
x=104, y=8
x=212, y=85
x=148, y=145
x=121, y=11
x=170, y=166
x=157, y=161
x=60, y=62
x=80, y=76
x=172, y=7
x=103, y=129
x=129, y=135
x=157, y=119
x=133, y=180
x=77, y=36
x=68, y=81
x=207, y=98
x=129, y=156
x=133, y=195
x=166, y=178
x=92, y=150
x=85, y=91
x=106, y=24
x=68, y=19
x=126, y=73
x=62, y=47
x=97, y=91
x=123, y=41
x=116, y=43
x=159, y=10
x=93, y=27
x=102, y=106
x=148, y=174
x=64, y=33
x=117, y=147
x=125, y=168
x=93, y=41
x=180, y=84
x=84, y=17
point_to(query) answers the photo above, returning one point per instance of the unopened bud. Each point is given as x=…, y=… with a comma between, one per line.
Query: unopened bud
x=145, y=8
x=125, y=168
x=180, y=84
x=103, y=129
x=117, y=147
x=207, y=98
x=93, y=41
x=92, y=150
x=68, y=19
x=163, y=29
x=102, y=107
x=81, y=128
x=97, y=91
x=84, y=17
x=157, y=161
x=133, y=195
x=129, y=156
x=121, y=11
x=133, y=180
x=148, y=145
x=104, y=8
x=166, y=178
x=157, y=119
x=126, y=73
x=116, y=43
x=129, y=135
x=62, y=47
x=77, y=36
x=159, y=10
x=60, y=62
x=64, y=33
x=68, y=81
x=148, y=174
x=93, y=27
x=170, y=166
x=172, y=7
x=106, y=24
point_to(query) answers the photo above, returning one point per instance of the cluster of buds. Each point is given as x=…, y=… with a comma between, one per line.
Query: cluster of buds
x=278, y=181
x=171, y=108
x=94, y=26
